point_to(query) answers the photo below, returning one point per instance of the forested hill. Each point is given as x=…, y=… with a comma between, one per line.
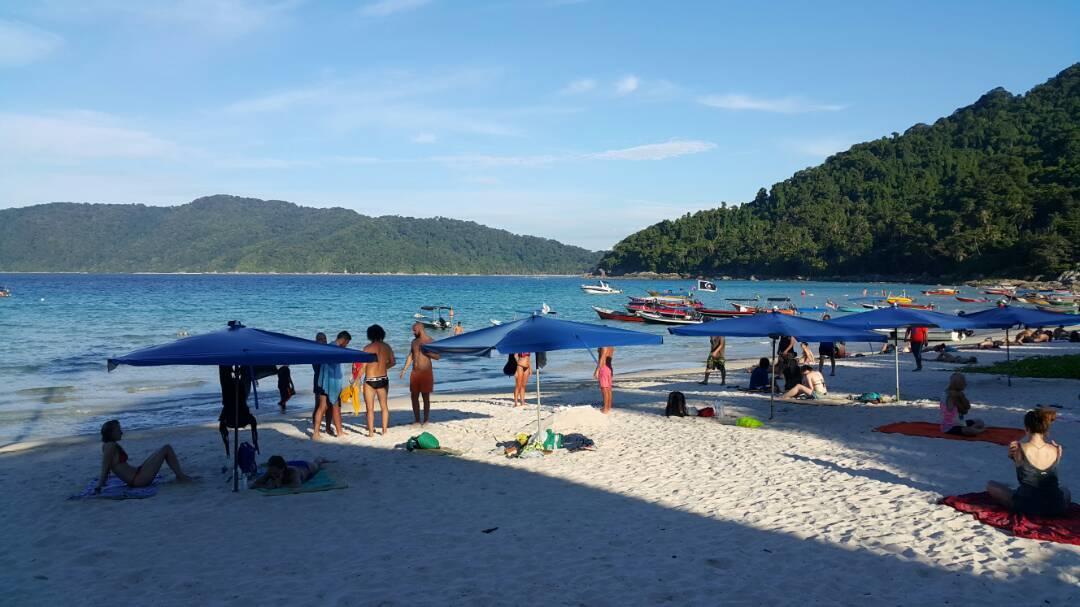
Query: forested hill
x=226, y=234
x=993, y=189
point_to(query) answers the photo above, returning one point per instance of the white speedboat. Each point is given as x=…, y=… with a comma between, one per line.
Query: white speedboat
x=602, y=288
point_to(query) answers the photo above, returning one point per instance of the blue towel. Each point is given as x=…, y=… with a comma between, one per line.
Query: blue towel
x=116, y=489
x=330, y=381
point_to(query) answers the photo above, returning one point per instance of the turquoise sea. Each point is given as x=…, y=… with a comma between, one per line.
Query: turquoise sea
x=57, y=330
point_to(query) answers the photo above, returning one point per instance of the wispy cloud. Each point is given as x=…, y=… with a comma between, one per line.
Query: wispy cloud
x=581, y=85
x=656, y=151
x=424, y=138
x=22, y=44
x=384, y=8
x=627, y=84
x=226, y=18
x=781, y=105
x=77, y=135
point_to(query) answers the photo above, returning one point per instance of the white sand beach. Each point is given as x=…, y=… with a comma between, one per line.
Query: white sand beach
x=814, y=508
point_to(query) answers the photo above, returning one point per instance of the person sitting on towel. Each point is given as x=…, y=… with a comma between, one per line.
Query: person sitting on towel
x=1036, y=460
x=115, y=460
x=954, y=406
x=813, y=384
x=759, y=377
x=280, y=473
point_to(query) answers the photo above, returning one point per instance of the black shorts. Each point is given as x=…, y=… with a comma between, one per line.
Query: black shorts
x=957, y=430
x=317, y=389
x=827, y=349
x=378, y=383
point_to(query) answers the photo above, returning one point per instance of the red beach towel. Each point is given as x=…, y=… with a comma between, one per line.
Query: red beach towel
x=1001, y=436
x=1064, y=530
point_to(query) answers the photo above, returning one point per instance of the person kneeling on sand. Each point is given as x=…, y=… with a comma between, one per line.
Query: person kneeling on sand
x=115, y=460
x=954, y=406
x=280, y=473
x=1036, y=461
x=813, y=384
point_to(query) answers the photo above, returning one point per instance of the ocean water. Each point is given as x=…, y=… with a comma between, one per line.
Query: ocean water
x=57, y=330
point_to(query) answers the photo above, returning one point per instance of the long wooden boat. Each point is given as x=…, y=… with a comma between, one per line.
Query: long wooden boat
x=660, y=319
x=942, y=291
x=915, y=306
x=607, y=314
x=718, y=313
x=972, y=299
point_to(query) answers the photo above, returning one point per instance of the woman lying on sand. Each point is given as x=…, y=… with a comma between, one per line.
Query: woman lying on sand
x=291, y=474
x=114, y=459
x=1036, y=461
x=954, y=406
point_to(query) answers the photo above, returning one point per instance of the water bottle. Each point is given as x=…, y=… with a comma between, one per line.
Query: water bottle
x=718, y=406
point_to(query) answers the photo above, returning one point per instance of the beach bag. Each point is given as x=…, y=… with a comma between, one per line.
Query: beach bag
x=424, y=441
x=676, y=405
x=510, y=368
x=706, y=412
x=245, y=458
x=748, y=422
x=869, y=397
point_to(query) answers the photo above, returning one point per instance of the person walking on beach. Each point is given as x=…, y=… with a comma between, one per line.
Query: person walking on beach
x=316, y=389
x=285, y=387
x=604, y=374
x=918, y=337
x=716, y=361
x=521, y=377
x=422, y=378
x=330, y=380
x=376, y=382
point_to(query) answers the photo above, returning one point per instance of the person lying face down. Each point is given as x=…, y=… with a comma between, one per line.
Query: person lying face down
x=280, y=473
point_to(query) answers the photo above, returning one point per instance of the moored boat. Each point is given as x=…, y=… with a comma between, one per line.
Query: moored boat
x=609, y=314
x=941, y=291
x=602, y=288
x=972, y=299
x=689, y=318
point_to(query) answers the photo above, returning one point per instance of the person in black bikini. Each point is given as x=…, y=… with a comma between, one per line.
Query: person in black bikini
x=1036, y=461
x=115, y=460
x=376, y=382
x=280, y=473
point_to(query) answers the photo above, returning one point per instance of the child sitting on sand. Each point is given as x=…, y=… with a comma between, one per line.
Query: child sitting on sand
x=759, y=377
x=1036, y=461
x=291, y=474
x=954, y=406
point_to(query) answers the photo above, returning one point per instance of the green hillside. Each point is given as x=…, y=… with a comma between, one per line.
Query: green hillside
x=227, y=233
x=993, y=189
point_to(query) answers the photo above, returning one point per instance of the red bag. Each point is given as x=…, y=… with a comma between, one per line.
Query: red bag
x=706, y=412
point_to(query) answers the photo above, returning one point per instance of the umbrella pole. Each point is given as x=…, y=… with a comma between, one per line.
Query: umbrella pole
x=1008, y=357
x=236, y=433
x=896, y=360
x=537, y=401
x=772, y=387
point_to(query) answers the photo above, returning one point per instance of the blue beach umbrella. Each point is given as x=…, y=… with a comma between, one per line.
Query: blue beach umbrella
x=239, y=346
x=896, y=318
x=539, y=334
x=1007, y=317
x=774, y=325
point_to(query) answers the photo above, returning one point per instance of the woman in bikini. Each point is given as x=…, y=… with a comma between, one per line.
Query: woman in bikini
x=812, y=386
x=280, y=473
x=1036, y=460
x=115, y=460
x=521, y=377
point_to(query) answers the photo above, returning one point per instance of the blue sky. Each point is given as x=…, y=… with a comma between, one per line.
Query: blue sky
x=577, y=120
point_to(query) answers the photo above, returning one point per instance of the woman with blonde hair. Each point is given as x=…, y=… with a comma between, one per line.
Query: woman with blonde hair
x=1036, y=460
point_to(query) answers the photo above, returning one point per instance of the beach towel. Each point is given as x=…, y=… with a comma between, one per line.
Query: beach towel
x=322, y=481
x=1001, y=436
x=351, y=394
x=817, y=402
x=116, y=489
x=1064, y=529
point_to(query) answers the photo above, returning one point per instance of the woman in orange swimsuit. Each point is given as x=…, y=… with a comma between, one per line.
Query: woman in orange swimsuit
x=115, y=460
x=521, y=377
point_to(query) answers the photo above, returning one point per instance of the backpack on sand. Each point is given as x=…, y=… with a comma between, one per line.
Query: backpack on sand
x=676, y=405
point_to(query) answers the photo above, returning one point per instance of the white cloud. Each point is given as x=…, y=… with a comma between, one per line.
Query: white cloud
x=627, y=84
x=227, y=18
x=581, y=85
x=276, y=102
x=424, y=138
x=22, y=44
x=656, y=151
x=783, y=105
x=77, y=135
x=384, y=8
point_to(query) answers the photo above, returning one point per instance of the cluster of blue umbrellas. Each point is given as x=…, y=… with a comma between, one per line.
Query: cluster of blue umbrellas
x=239, y=346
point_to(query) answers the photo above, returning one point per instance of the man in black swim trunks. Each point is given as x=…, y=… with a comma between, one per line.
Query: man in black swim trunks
x=376, y=383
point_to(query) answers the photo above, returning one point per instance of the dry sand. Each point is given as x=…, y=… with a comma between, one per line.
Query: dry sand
x=815, y=508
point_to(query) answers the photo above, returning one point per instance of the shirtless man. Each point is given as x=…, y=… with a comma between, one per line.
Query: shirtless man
x=716, y=361
x=376, y=383
x=422, y=379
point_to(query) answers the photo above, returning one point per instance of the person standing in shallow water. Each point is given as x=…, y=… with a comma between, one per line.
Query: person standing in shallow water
x=604, y=374
x=422, y=378
x=376, y=382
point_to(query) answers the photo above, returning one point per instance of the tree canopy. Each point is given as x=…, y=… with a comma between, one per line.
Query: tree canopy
x=993, y=189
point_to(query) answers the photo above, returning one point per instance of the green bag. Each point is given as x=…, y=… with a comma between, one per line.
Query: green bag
x=553, y=441
x=748, y=422
x=427, y=441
